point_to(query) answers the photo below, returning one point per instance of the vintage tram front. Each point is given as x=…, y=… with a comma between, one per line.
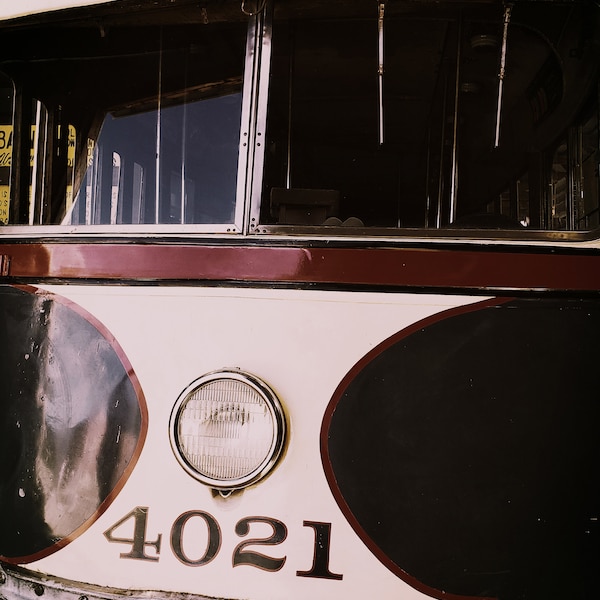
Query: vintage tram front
x=299, y=299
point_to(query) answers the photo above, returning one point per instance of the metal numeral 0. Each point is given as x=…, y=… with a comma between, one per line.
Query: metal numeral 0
x=213, y=543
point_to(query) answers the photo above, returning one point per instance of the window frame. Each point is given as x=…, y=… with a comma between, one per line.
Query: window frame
x=18, y=181
x=398, y=234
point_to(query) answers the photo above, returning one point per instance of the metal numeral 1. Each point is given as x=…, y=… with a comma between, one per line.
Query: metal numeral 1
x=320, y=566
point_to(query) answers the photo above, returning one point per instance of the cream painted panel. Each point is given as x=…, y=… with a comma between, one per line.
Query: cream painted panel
x=10, y=9
x=301, y=343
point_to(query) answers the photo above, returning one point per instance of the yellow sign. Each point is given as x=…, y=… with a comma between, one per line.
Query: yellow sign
x=6, y=138
x=6, y=147
x=6, y=141
x=72, y=136
x=4, y=203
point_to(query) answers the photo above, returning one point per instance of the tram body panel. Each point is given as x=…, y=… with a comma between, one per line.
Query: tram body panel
x=391, y=401
x=197, y=332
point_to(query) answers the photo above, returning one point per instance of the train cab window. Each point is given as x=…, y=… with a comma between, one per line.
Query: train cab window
x=399, y=115
x=124, y=122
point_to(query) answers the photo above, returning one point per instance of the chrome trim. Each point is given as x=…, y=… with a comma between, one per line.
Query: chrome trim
x=302, y=234
x=279, y=429
x=262, y=67
x=22, y=584
x=439, y=235
x=245, y=154
x=144, y=230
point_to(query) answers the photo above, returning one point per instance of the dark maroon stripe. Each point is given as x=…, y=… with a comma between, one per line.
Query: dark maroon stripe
x=412, y=267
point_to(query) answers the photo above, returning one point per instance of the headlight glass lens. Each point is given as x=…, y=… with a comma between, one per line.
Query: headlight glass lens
x=227, y=429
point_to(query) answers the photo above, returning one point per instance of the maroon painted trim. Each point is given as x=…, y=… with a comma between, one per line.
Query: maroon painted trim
x=408, y=267
x=104, y=332
x=324, y=443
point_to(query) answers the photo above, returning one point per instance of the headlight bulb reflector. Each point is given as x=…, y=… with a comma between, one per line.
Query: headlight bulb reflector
x=227, y=429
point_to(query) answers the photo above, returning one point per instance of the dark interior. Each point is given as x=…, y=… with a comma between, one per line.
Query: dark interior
x=438, y=164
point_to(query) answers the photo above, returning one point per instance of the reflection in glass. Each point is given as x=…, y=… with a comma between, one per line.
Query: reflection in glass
x=135, y=124
x=180, y=168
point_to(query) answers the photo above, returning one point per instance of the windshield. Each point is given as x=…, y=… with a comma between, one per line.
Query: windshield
x=432, y=115
x=372, y=116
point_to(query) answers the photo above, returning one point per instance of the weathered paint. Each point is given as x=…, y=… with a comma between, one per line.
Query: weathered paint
x=11, y=10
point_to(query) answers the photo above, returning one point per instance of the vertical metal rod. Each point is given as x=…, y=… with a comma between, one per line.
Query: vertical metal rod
x=288, y=166
x=158, y=132
x=440, y=191
x=183, y=166
x=36, y=155
x=454, y=176
x=115, y=185
x=507, y=12
x=184, y=145
x=427, y=176
x=380, y=55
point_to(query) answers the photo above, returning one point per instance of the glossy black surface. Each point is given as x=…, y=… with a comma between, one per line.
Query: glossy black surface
x=466, y=452
x=70, y=422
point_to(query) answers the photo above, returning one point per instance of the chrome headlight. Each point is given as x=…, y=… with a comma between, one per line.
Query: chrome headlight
x=227, y=429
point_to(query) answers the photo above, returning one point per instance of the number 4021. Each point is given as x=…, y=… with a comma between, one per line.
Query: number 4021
x=245, y=552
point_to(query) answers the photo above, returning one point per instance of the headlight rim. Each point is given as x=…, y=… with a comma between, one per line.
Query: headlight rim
x=278, y=416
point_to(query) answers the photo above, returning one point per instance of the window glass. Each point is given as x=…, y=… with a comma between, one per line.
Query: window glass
x=7, y=94
x=176, y=165
x=126, y=124
x=590, y=157
x=396, y=116
x=574, y=178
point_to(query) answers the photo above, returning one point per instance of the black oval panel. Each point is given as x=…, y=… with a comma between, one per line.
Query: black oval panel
x=72, y=422
x=465, y=451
